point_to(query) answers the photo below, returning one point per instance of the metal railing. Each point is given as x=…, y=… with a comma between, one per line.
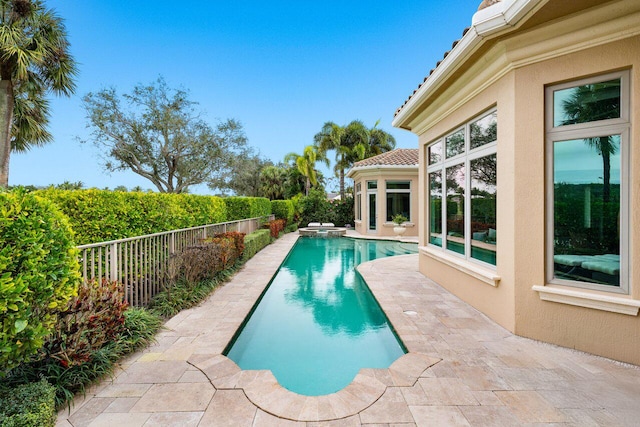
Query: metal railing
x=142, y=263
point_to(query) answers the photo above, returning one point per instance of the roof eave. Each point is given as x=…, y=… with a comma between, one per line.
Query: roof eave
x=355, y=169
x=485, y=23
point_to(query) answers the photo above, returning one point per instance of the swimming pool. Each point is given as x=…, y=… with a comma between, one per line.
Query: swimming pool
x=318, y=324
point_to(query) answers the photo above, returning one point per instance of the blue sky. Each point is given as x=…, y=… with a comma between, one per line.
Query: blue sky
x=282, y=68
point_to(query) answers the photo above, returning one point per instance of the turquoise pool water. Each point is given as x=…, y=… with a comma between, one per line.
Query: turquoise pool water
x=318, y=324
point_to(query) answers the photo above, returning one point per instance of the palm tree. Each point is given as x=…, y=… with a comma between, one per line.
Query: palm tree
x=352, y=143
x=34, y=59
x=379, y=141
x=590, y=103
x=306, y=164
x=272, y=182
x=349, y=144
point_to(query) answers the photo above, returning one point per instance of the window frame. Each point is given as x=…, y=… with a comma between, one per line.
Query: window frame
x=358, y=201
x=465, y=159
x=397, y=191
x=617, y=126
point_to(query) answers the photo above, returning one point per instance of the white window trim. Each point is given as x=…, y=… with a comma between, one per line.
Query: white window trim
x=358, y=201
x=464, y=158
x=620, y=126
x=397, y=190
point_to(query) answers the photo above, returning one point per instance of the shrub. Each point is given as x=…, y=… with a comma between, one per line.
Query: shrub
x=247, y=207
x=39, y=273
x=100, y=215
x=283, y=209
x=92, y=319
x=237, y=208
x=275, y=227
x=315, y=207
x=341, y=211
x=260, y=206
x=140, y=326
x=254, y=242
x=237, y=238
x=28, y=405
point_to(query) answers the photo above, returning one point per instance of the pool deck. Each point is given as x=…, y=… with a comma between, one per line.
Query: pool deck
x=462, y=369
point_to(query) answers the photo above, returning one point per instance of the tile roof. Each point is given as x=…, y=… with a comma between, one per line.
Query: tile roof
x=484, y=4
x=397, y=157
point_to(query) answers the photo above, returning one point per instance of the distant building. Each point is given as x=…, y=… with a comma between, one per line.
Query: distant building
x=529, y=198
x=384, y=186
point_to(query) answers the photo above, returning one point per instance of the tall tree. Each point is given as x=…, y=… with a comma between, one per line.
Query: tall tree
x=352, y=143
x=273, y=181
x=34, y=59
x=379, y=141
x=162, y=137
x=306, y=164
x=243, y=178
x=594, y=102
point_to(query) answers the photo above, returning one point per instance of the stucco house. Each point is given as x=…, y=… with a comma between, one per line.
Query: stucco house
x=384, y=186
x=529, y=199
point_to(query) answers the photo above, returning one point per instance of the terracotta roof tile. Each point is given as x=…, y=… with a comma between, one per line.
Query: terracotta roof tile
x=397, y=157
x=485, y=3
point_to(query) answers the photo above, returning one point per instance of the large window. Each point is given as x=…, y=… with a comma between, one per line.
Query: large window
x=359, y=201
x=587, y=152
x=398, y=199
x=462, y=167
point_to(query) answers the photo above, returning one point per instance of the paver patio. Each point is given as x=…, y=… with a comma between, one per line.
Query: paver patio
x=461, y=370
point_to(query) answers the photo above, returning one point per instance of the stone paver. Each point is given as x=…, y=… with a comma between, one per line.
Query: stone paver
x=461, y=370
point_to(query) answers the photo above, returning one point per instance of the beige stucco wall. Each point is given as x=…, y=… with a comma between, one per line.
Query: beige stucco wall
x=381, y=175
x=512, y=76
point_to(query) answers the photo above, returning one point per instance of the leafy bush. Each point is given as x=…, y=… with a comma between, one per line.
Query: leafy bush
x=283, y=209
x=341, y=211
x=314, y=207
x=28, y=405
x=247, y=207
x=275, y=227
x=140, y=326
x=39, y=273
x=100, y=215
x=237, y=208
x=260, y=206
x=254, y=242
x=92, y=319
x=238, y=241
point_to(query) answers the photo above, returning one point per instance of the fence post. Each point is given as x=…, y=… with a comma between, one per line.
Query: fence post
x=172, y=243
x=113, y=263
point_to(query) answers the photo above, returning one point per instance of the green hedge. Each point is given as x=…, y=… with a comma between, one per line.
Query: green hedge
x=254, y=242
x=39, y=273
x=100, y=215
x=283, y=209
x=28, y=405
x=247, y=207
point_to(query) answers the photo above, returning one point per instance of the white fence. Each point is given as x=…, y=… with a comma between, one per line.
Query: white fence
x=142, y=263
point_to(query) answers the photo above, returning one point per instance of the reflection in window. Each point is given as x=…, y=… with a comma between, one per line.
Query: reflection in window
x=455, y=208
x=435, y=153
x=398, y=199
x=455, y=143
x=483, y=131
x=586, y=210
x=587, y=103
x=483, y=208
x=359, y=201
x=435, y=208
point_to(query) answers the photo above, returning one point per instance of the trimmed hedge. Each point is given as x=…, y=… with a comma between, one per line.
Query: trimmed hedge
x=28, y=405
x=254, y=242
x=39, y=273
x=283, y=209
x=101, y=215
x=247, y=207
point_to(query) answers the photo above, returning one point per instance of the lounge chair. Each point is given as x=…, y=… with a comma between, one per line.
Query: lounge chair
x=328, y=224
x=314, y=224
